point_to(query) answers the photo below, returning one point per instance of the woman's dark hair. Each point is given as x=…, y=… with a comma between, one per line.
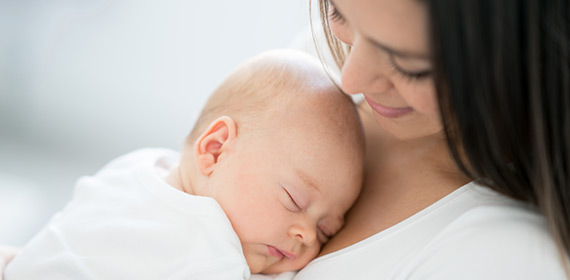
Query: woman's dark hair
x=502, y=73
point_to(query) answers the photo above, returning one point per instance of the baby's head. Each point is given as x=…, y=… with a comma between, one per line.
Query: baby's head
x=281, y=150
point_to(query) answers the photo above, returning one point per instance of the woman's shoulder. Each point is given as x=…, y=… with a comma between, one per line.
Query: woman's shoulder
x=512, y=226
x=499, y=238
x=497, y=214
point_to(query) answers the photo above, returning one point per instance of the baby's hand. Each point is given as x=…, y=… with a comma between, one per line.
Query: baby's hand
x=7, y=253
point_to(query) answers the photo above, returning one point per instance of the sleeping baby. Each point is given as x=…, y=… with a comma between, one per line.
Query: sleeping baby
x=263, y=181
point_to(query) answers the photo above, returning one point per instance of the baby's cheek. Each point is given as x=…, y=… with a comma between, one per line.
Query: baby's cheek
x=257, y=262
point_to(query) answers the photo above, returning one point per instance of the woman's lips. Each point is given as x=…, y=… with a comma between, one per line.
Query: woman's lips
x=388, y=112
x=280, y=254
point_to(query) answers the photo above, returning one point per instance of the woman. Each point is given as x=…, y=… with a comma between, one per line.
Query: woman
x=455, y=90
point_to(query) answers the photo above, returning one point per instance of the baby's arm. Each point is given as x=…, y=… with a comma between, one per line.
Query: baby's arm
x=7, y=253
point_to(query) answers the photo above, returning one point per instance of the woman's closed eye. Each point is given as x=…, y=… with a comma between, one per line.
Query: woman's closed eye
x=407, y=74
x=335, y=15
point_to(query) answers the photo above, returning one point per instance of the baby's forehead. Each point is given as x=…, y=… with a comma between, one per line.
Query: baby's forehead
x=325, y=168
x=329, y=129
x=334, y=194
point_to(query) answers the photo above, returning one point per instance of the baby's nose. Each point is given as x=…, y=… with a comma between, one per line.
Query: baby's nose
x=304, y=234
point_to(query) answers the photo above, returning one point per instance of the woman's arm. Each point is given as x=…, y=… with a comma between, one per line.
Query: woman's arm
x=7, y=253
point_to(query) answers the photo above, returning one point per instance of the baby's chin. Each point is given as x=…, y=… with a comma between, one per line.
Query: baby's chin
x=259, y=263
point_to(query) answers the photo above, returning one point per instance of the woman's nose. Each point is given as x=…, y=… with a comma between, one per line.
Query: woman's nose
x=361, y=73
x=304, y=233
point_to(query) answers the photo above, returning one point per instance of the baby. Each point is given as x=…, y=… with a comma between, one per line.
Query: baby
x=263, y=181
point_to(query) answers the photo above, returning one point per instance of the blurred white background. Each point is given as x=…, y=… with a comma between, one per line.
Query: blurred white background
x=84, y=81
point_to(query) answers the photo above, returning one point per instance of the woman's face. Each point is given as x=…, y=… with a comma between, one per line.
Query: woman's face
x=389, y=63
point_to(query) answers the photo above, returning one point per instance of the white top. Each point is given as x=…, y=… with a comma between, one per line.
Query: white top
x=128, y=223
x=473, y=233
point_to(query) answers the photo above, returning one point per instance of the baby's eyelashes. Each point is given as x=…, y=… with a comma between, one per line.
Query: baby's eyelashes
x=292, y=204
x=297, y=199
x=328, y=227
x=323, y=237
x=325, y=232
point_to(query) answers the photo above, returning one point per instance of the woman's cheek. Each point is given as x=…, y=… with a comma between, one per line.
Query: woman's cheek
x=421, y=96
x=341, y=31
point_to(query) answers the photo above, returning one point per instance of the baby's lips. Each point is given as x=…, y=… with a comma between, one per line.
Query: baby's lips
x=275, y=252
x=288, y=255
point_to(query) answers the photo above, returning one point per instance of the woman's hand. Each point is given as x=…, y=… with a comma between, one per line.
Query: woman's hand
x=7, y=253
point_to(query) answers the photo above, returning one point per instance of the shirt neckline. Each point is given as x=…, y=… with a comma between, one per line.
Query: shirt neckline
x=456, y=194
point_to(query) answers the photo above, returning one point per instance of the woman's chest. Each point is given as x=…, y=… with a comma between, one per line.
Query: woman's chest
x=388, y=197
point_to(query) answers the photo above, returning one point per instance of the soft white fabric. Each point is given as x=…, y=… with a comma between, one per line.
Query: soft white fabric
x=473, y=233
x=128, y=223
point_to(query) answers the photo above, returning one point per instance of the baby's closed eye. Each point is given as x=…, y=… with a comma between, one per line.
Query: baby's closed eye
x=291, y=203
x=323, y=236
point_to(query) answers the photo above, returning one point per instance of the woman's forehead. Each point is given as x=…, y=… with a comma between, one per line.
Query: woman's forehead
x=401, y=25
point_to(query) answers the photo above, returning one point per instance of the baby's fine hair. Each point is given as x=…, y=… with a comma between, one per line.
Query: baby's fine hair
x=274, y=78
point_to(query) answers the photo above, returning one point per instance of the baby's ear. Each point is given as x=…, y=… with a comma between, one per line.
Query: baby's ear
x=217, y=139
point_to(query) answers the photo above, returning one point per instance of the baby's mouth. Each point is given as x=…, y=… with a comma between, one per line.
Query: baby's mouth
x=273, y=251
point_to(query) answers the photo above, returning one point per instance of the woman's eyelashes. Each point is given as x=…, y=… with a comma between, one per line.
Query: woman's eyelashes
x=335, y=15
x=408, y=75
